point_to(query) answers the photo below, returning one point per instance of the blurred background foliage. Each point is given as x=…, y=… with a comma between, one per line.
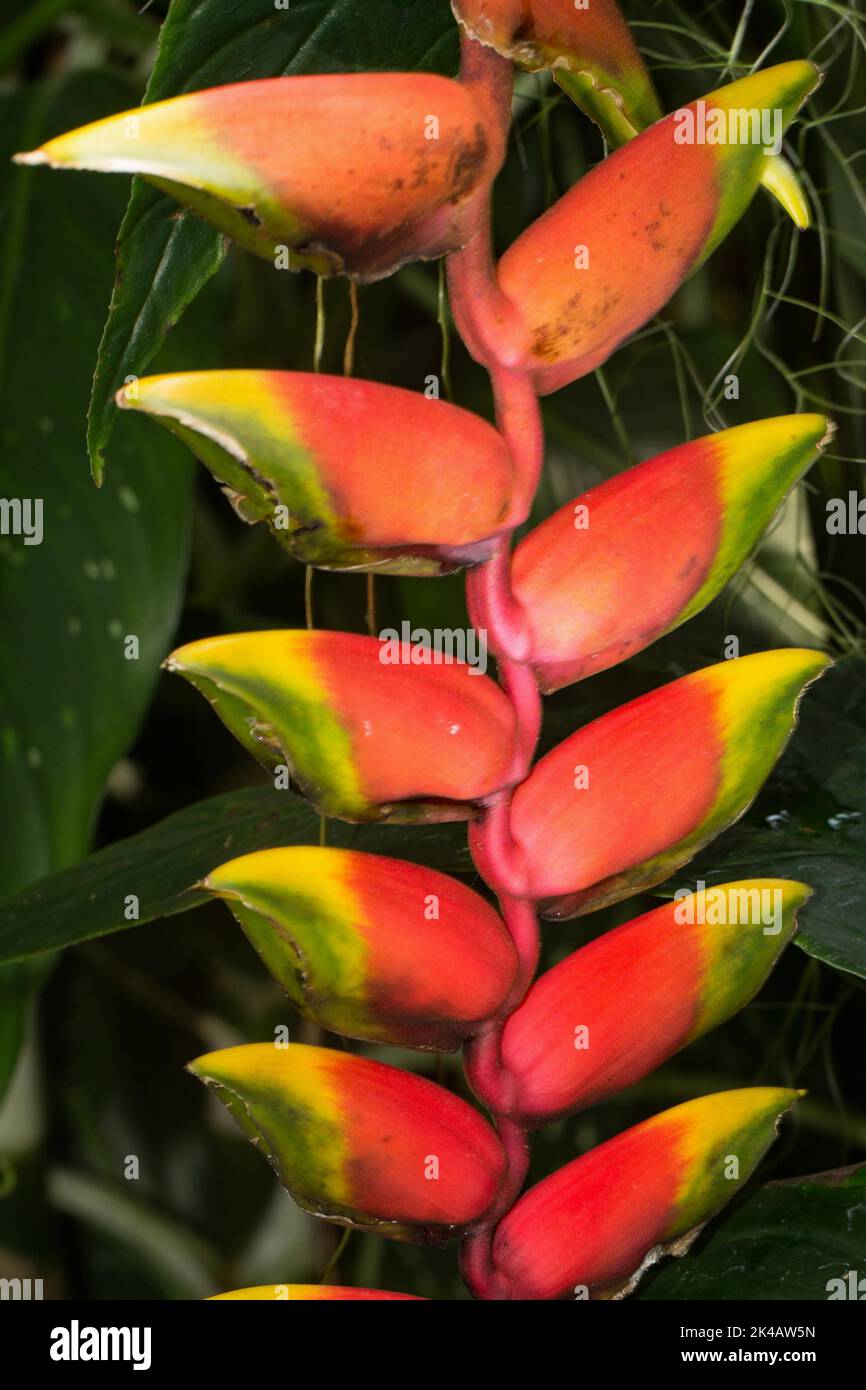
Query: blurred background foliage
x=93, y=752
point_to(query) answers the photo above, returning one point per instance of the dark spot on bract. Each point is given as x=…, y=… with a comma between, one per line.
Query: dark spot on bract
x=468, y=165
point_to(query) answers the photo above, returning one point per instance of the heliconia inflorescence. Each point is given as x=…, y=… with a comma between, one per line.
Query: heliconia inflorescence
x=358, y=174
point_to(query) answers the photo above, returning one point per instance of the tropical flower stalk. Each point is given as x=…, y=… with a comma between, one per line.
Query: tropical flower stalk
x=357, y=175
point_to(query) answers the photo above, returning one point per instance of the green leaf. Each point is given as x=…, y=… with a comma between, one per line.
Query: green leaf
x=23, y=25
x=162, y=865
x=810, y=823
x=787, y=1240
x=166, y=256
x=107, y=566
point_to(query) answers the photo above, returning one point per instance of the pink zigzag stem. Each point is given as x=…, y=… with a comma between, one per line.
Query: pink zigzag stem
x=489, y=325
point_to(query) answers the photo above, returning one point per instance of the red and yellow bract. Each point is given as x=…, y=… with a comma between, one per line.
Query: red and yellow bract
x=363, y=737
x=612, y=251
x=586, y=1230
x=372, y=947
x=616, y=1009
x=625, y=801
x=300, y=451
x=360, y=1142
x=615, y=569
x=590, y=49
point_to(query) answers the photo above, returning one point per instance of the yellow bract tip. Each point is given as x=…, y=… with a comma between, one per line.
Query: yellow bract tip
x=780, y=179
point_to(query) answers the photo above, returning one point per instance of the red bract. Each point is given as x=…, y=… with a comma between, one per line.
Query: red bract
x=593, y=57
x=616, y=1009
x=587, y=1229
x=359, y=1142
x=367, y=729
x=613, y=570
x=589, y=47
x=624, y=802
x=298, y=451
x=372, y=947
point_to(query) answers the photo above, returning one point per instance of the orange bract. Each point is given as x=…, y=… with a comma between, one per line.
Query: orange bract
x=355, y=173
x=611, y=252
